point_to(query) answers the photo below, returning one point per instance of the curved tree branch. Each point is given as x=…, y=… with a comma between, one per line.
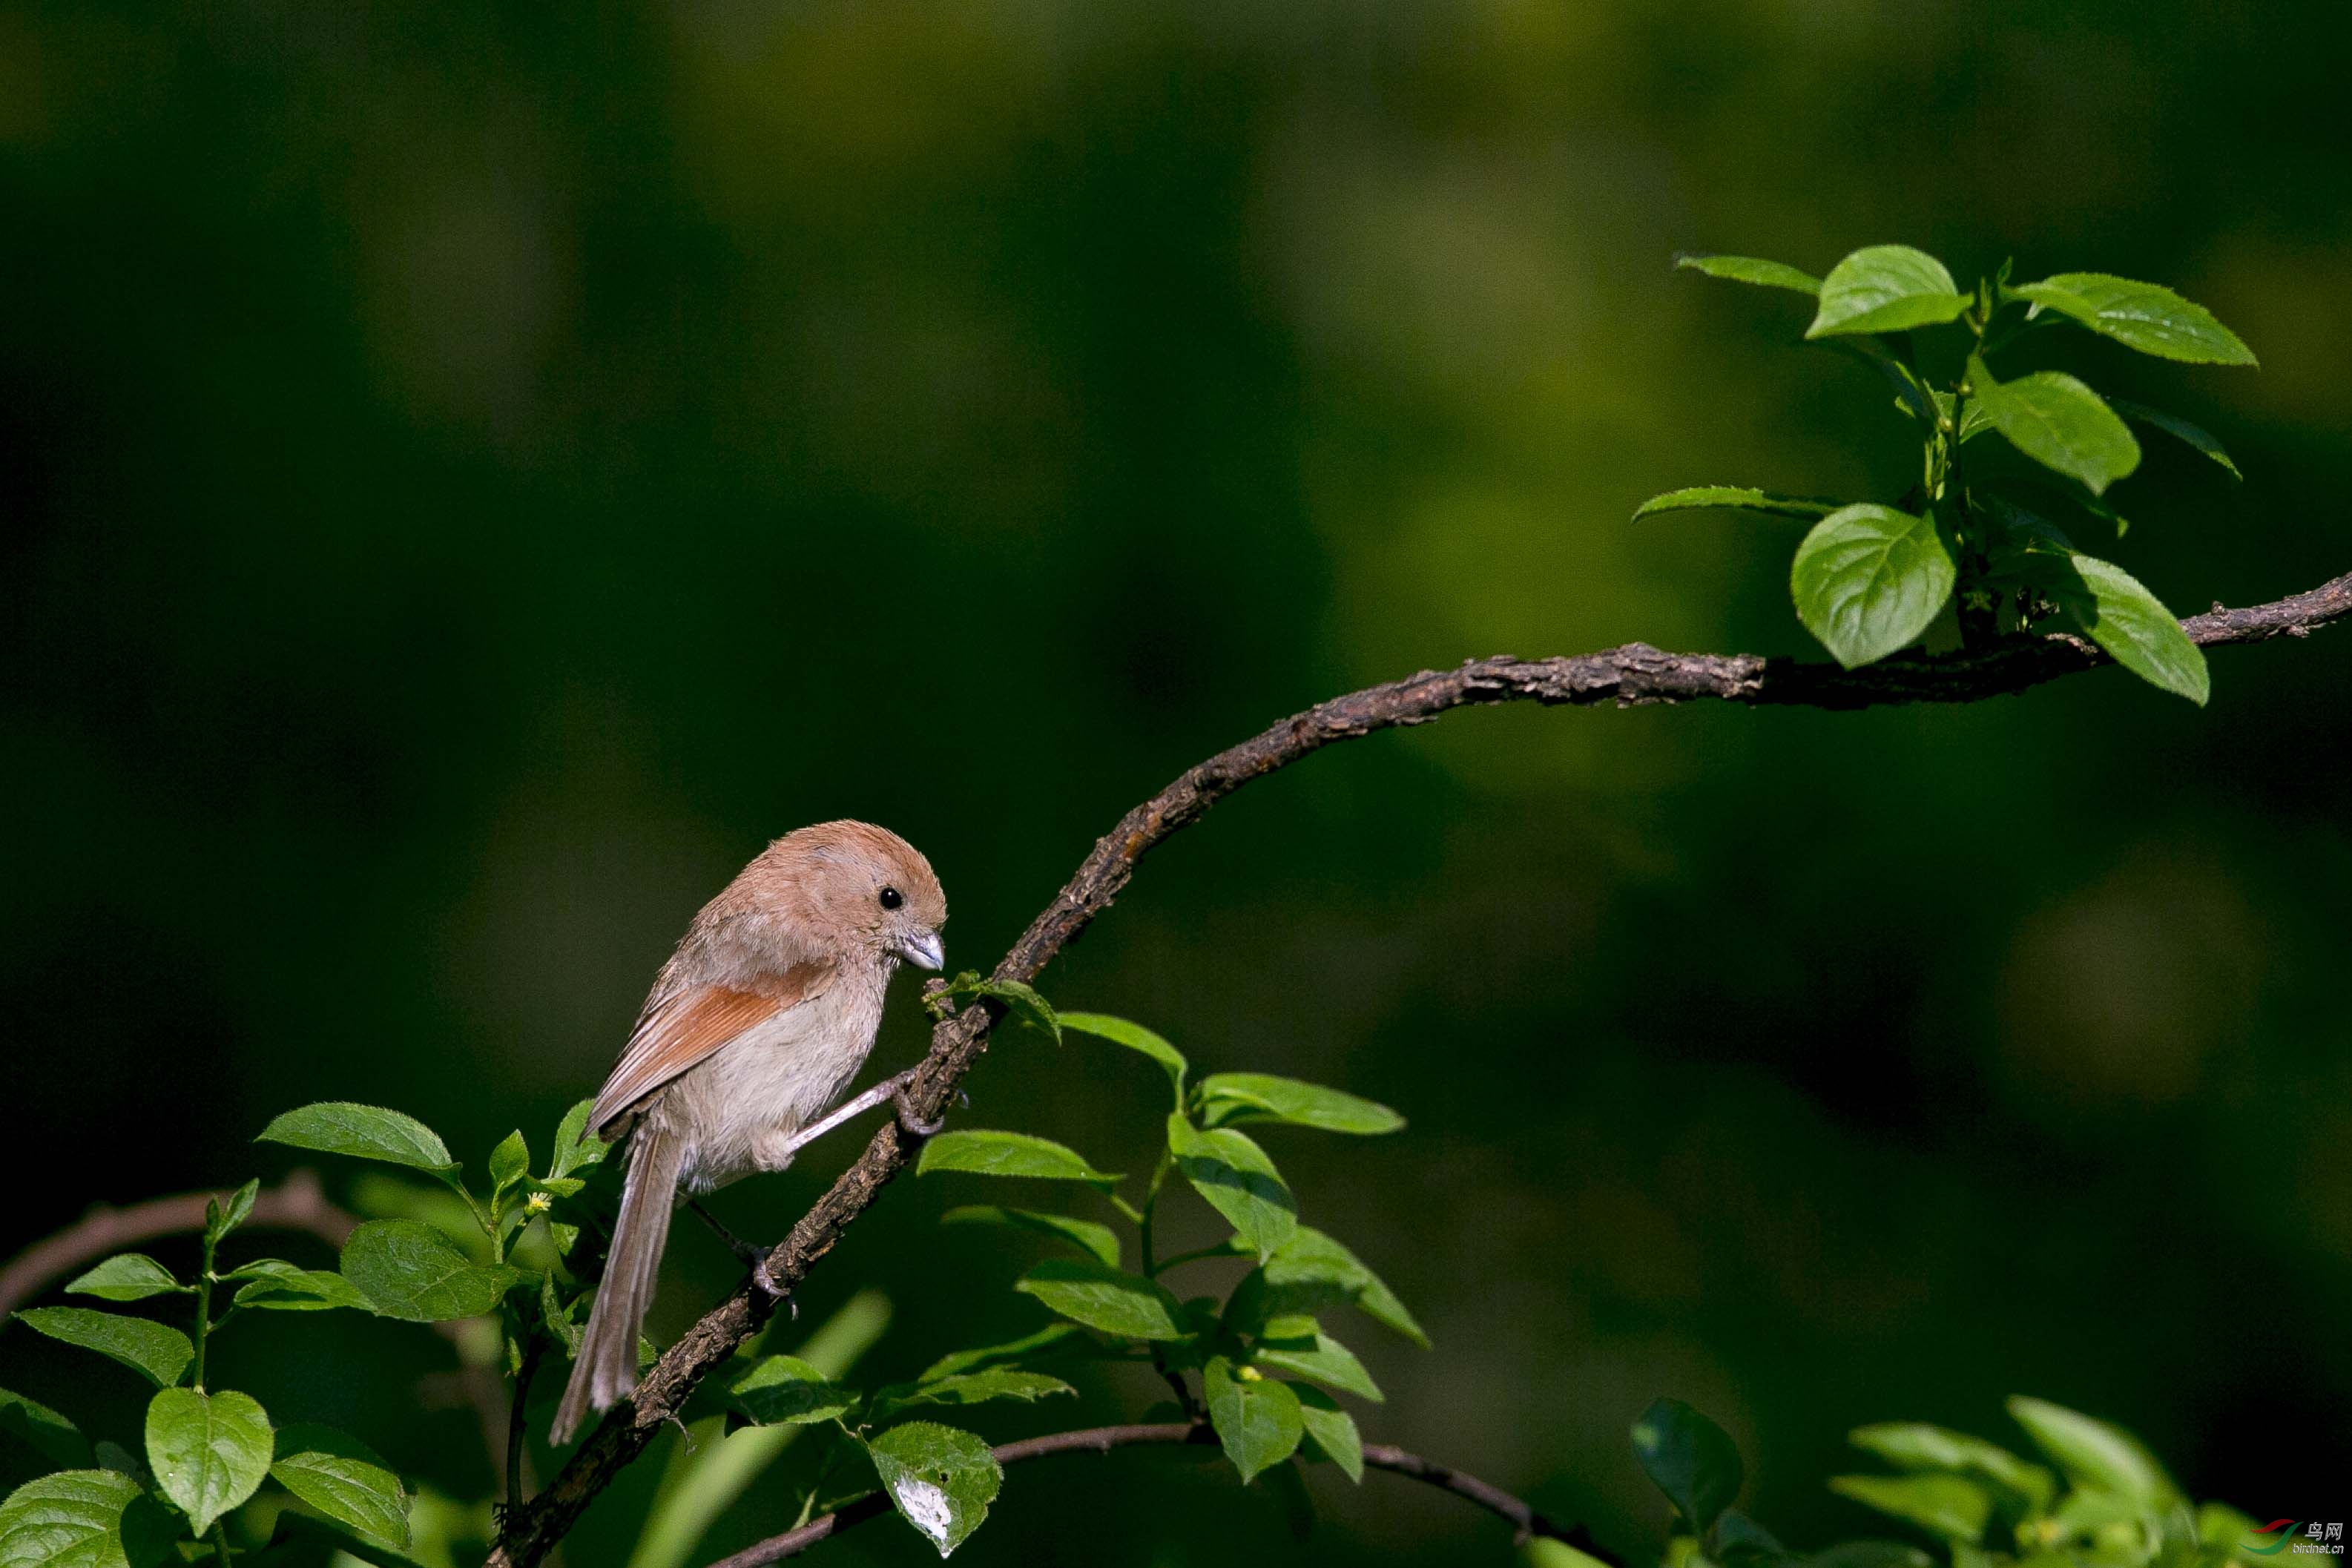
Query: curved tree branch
x=1526, y=1522
x=1632, y=676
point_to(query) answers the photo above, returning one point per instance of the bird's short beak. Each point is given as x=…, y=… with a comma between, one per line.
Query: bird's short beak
x=922, y=950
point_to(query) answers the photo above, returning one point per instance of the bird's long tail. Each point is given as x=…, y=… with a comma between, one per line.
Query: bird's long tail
x=606, y=1367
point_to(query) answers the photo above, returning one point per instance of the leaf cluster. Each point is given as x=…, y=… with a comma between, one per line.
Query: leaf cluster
x=1257, y=1364
x=210, y=1455
x=1975, y=538
x=2090, y=1496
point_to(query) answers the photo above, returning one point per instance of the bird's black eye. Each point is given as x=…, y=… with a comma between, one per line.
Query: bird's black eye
x=891, y=899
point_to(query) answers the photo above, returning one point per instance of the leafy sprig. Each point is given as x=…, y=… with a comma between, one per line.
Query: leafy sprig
x=1974, y=534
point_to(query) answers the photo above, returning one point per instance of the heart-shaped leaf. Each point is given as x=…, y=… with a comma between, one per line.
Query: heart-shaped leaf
x=1869, y=579
x=209, y=1451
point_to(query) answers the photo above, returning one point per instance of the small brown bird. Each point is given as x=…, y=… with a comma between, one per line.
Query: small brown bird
x=753, y=1027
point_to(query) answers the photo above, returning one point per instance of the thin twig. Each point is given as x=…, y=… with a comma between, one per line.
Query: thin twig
x=1526, y=1522
x=295, y=1204
x=1633, y=675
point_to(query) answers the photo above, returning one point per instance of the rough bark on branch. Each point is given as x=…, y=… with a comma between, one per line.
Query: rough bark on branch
x=1630, y=676
x=1526, y=1522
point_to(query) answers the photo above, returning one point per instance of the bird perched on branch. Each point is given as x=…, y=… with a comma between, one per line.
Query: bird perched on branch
x=753, y=1027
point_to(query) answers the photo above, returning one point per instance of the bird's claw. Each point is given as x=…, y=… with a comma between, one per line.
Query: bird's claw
x=913, y=1124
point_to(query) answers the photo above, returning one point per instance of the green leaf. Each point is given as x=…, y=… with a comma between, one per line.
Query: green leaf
x=1733, y=497
x=343, y=1480
x=1869, y=579
x=1312, y=1270
x=82, y=1519
x=1135, y=1037
x=2094, y=1455
x=510, y=1162
x=1086, y=1292
x=363, y=1131
x=412, y=1271
x=29, y=1421
x=991, y=1153
x=1044, y=1339
x=2172, y=425
x=1917, y=1446
x=280, y=1287
x=1950, y=1506
x=782, y=1390
x=1331, y=1430
x=1233, y=1173
x=1298, y=1344
x=1886, y=288
x=224, y=1215
x=1749, y=269
x=126, y=1276
x=941, y=1478
x=2125, y=620
x=576, y=1148
x=160, y=1353
x=1690, y=1459
x=1098, y=1241
x=2059, y=423
x=968, y=1388
x=1257, y=1419
x=1022, y=1001
x=2144, y=316
x=1231, y=1097
x=209, y=1451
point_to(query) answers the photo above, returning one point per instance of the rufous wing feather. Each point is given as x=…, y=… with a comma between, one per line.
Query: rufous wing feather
x=682, y=1030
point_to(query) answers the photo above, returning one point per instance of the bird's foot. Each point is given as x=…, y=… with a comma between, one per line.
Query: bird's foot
x=906, y=1107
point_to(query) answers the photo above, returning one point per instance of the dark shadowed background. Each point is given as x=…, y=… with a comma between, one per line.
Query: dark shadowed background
x=473, y=474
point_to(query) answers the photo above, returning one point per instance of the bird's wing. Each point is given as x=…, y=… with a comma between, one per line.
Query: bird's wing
x=686, y=1026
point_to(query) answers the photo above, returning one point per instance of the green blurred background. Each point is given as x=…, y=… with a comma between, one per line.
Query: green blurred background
x=473, y=474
